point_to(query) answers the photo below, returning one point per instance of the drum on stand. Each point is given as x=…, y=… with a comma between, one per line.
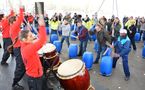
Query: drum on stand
x=49, y=56
x=73, y=75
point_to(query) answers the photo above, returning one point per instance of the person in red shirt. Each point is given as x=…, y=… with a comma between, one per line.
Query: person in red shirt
x=30, y=18
x=15, y=24
x=29, y=51
x=5, y=28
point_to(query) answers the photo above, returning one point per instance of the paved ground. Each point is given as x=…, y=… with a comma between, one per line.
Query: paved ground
x=114, y=82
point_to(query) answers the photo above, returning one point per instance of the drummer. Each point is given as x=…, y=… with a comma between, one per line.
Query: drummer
x=29, y=49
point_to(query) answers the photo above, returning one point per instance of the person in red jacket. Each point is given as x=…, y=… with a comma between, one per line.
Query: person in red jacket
x=5, y=28
x=29, y=51
x=15, y=24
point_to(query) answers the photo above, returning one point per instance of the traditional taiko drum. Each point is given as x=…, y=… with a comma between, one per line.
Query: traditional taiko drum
x=73, y=75
x=50, y=56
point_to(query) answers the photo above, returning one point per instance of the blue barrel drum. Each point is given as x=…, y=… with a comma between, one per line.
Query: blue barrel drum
x=106, y=66
x=73, y=50
x=88, y=59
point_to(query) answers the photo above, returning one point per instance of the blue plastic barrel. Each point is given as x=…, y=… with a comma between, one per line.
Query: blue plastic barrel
x=58, y=46
x=73, y=50
x=137, y=37
x=73, y=27
x=73, y=36
x=88, y=59
x=93, y=37
x=143, y=52
x=108, y=52
x=106, y=66
x=53, y=37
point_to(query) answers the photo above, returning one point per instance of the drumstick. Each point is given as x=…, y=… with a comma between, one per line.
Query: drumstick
x=106, y=51
x=39, y=8
x=73, y=36
x=30, y=26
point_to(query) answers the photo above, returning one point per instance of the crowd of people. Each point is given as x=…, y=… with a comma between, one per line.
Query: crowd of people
x=18, y=30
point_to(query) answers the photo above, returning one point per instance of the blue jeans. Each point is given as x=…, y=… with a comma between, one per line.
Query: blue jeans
x=125, y=64
x=66, y=38
x=53, y=31
x=101, y=49
x=83, y=46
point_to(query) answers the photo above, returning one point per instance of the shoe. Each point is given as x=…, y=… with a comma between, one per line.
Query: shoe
x=96, y=62
x=79, y=55
x=17, y=87
x=126, y=78
x=4, y=63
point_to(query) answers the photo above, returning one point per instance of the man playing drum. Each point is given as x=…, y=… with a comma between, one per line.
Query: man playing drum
x=29, y=49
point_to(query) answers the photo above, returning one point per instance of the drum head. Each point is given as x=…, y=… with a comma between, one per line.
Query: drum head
x=70, y=67
x=49, y=48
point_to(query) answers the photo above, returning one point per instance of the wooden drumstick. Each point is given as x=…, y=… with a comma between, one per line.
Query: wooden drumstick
x=39, y=8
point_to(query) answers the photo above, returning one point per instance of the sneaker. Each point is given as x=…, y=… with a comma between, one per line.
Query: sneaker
x=4, y=63
x=96, y=62
x=126, y=78
x=17, y=87
x=79, y=55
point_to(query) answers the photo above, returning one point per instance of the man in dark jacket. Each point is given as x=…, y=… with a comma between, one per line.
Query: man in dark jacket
x=104, y=40
x=131, y=33
x=83, y=37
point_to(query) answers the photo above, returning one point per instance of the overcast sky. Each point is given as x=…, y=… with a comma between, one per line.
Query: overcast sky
x=125, y=7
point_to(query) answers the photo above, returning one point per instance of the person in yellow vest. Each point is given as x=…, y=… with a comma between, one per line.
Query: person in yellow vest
x=86, y=22
x=129, y=22
x=54, y=24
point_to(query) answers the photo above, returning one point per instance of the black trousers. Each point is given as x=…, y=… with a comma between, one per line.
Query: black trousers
x=37, y=83
x=20, y=68
x=133, y=43
x=6, y=43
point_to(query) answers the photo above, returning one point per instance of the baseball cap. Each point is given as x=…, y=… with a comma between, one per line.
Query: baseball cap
x=123, y=31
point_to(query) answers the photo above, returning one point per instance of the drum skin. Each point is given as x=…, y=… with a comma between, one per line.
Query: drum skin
x=80, y=82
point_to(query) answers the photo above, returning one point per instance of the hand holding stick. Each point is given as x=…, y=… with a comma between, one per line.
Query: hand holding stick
x=41, y=18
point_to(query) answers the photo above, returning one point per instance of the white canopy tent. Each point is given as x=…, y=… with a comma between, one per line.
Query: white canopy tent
x=108, y=8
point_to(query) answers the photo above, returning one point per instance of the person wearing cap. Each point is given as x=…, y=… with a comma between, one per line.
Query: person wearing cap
x=122, y=48
x=65, y=27
x=104, y=40
x=83, y=37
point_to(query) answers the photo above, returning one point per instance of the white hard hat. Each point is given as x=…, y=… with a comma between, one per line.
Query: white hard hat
x=123, y=31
